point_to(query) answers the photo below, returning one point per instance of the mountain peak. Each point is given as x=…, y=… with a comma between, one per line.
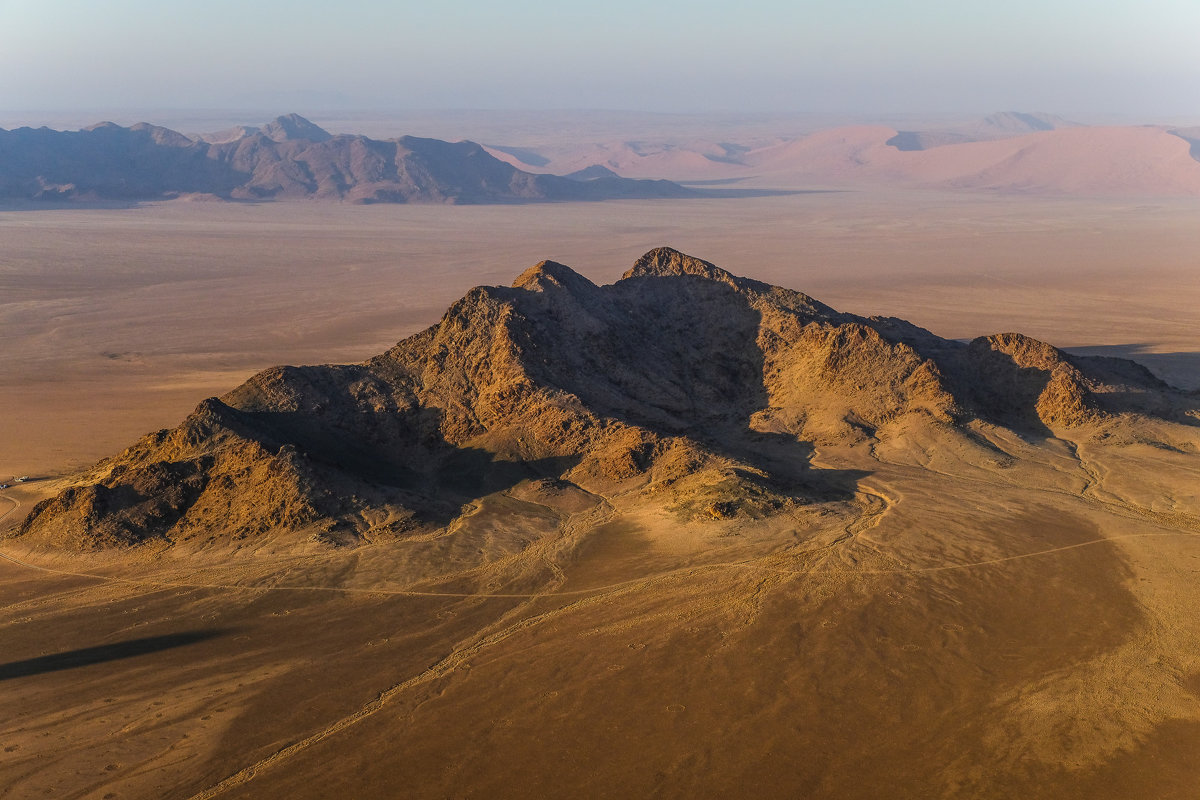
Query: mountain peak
x=236, y=133
x=291, y=127
x=161, y=135
x=547, y=275
x=591, y=173
x=664, y=262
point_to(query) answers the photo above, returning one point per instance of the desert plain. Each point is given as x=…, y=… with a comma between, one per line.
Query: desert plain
x=141, y=312
x=1008, y=618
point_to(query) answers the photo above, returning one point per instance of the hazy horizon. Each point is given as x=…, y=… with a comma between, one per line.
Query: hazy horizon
x=553, y=127
x=870, y=56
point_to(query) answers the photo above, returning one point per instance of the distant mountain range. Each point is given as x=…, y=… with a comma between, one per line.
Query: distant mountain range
x=293, y=158
x=290, y=157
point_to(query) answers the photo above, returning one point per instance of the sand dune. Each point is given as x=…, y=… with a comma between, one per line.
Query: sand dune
x=849, y=154
x=1077, y=160
x=1004, y=153
x=1138, y=161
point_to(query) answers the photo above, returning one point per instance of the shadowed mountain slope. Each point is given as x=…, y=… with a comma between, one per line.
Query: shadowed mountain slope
x=679, y=382
x=1001, y=125
x=289, y=158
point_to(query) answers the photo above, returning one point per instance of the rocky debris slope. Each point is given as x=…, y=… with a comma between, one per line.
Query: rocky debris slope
x=679, y=376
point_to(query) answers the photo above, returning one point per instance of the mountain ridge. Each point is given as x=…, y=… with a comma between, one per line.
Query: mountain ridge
x=680, y=385
x=290, y=157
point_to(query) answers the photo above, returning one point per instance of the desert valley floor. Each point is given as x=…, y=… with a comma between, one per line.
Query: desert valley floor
x=998, y=612
x=118, y=322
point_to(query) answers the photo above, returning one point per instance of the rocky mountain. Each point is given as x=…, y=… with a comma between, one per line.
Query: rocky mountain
x=680, y=385
x=592, y=173
x=292, y=127
x=288, y=158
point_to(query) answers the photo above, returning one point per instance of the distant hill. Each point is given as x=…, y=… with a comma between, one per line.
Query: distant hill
x=290, y=157
x=592, y=173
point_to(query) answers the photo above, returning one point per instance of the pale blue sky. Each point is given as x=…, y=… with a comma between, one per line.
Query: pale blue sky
x=809, y=55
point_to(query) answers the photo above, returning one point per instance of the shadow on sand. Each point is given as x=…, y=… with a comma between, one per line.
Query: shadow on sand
x=100, y=654
x=1181, y=370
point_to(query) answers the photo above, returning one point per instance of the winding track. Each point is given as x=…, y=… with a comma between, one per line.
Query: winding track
x=16, y=503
